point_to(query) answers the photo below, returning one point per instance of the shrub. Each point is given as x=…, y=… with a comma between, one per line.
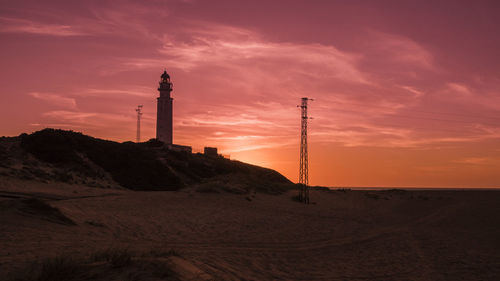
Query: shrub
x=372, y=196
x=117, y=257
x=61, y=268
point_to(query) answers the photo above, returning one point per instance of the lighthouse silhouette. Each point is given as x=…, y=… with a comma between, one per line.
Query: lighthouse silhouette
x=164, y=110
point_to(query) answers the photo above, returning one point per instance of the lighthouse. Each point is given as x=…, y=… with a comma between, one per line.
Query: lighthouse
x=164, y=110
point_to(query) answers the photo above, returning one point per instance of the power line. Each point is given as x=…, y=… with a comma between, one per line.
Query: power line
x=418, y=111
x=426, y=118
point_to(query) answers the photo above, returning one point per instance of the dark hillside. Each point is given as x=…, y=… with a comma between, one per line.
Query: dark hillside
x=130, y=165
x=59, y=155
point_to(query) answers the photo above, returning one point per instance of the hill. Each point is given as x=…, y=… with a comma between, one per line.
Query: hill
x=52, y=155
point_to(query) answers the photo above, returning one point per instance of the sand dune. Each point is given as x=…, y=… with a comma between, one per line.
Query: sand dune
x=353, y=235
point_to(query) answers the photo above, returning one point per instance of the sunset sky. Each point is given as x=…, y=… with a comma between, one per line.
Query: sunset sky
x=407, y=93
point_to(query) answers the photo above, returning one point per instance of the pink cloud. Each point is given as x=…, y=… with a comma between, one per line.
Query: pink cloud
x=15, y=25
x=89, y=119
x=238, y=49
x=240, y=127
x=459, y=89
x=474, y=160
x=98, y=124
x=414, y=91
x=130, y=91
x=55, y=99
x=402, y=50
x=230, y=60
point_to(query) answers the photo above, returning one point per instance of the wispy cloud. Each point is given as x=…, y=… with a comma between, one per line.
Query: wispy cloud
x=100, y=124
x=459, y=89
x=414, y=91
x=473, y=160
x=347, y=89
x=473, y=96
x=79, y=117
x=357, y=104
x=15, y=25
x=239, y=49
x=401, y=49
x=88, y=118
x=54, y=99
x=131, y=91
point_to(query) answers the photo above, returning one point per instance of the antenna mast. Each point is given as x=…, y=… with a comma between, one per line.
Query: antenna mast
x=139, y=114
x=304, y=169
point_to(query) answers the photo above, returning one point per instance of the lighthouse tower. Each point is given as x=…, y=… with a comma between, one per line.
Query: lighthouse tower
x=164, y=111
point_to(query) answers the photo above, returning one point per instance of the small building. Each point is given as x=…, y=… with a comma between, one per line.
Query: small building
x=210, y=151
x=180, y=148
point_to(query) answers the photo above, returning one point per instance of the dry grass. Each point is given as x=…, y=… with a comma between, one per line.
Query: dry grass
x=108, y=264
x=116, y=257
x=60, y=268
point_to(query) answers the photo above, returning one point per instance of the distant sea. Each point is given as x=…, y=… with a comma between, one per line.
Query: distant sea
x=414, y=188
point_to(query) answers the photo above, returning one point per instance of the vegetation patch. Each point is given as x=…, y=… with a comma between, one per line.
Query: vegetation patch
x=94, y=223
x=109, y=264
x=158, y=252
x=372, y=195
x=60, y=268
x=116, y=257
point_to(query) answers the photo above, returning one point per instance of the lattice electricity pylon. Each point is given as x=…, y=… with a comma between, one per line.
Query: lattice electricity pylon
x=139, y=114
x=304, y=169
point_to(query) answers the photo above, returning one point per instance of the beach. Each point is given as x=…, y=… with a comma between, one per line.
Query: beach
x=341, y=235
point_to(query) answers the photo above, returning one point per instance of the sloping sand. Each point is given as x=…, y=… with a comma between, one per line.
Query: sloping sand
x=353, y=235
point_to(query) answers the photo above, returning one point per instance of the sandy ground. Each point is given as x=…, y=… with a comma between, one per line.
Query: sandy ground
x=353, y=235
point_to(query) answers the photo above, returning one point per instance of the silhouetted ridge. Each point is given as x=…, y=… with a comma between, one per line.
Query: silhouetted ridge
x=130, y=165
x=77, y=158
